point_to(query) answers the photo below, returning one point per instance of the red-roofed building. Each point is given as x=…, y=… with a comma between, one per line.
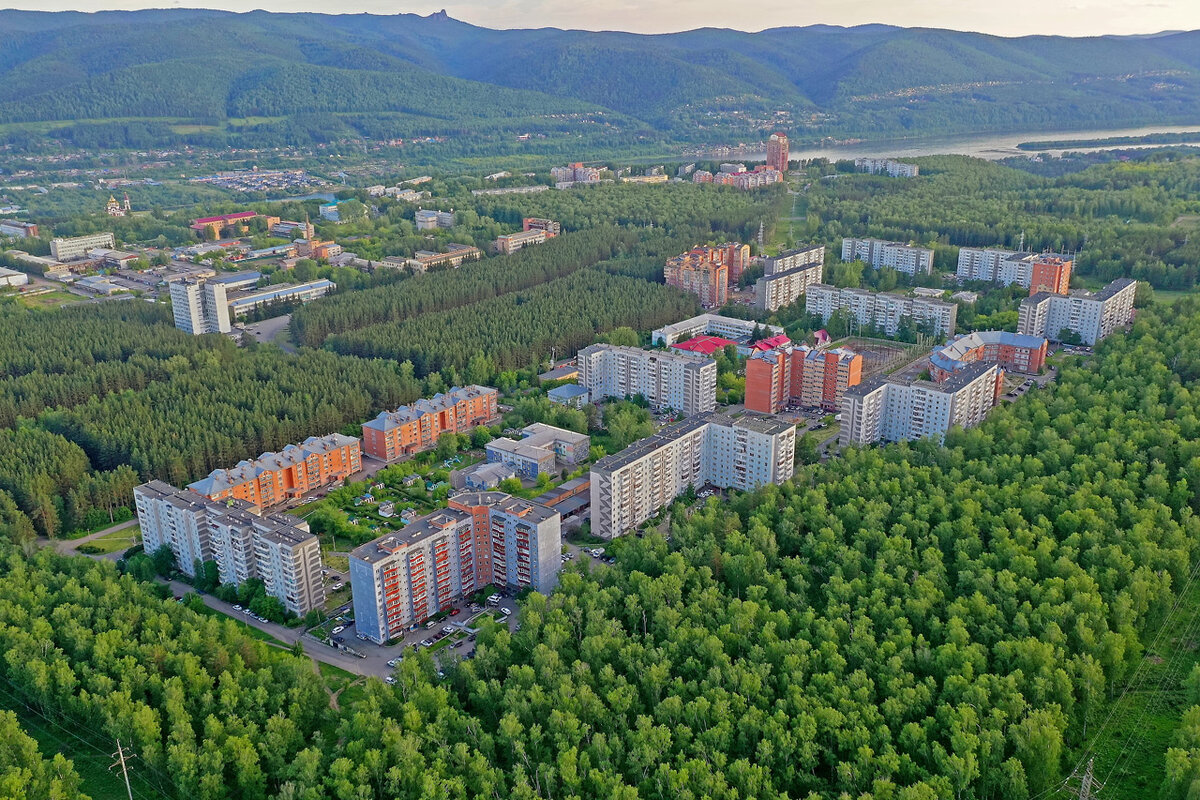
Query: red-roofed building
x=821, y=337
x=703, y=345
x=218, y=227
x=763, y=345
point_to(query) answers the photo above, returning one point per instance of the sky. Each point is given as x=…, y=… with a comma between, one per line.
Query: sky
x=1002, y=17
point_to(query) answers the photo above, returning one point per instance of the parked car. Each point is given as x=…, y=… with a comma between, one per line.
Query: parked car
x=393, y=662
x=237, y=608
x=338, y=629
x=454, y=612
x=447, y=630
x=390, y=680
x=339, y=639
x=506, y=612
x=337, y=586
x=457, y=644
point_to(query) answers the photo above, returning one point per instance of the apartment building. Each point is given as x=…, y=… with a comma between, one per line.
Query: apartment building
x=200, y=306
x=547, y=226
x=540, y=449
x=416, y=428
x=743, y=453
x=802, y=375
x=707, y=271
x=756, y=179
x=77, y=246
x=18, y=229
x=225, y=225
x=807, y=256
x=480, y=539
x=512, y=242
x=428, y=220
x=777, y=152
x=776, y=290
x=685, y=383
x=880, y=309
x=739, y=330
x=565, y=177
x=1014, y=352
x=886, y=166
x=277, y=549
x=899, y=256
x=293, y=472
x=1091, y=316
x=243, y=302
x=1038, y=272
x=455, y=256
x=894, y=410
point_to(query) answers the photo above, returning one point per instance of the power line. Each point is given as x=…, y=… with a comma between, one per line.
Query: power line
x=120, y=756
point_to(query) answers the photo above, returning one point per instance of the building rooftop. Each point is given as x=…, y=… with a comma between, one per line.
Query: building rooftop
x=568, y=391
x=220, y=480
x=759, y=423
x=387, y=420
x=762, y=345
x=560, y=373
x=705, y=345
x=950, y=356
x=527, y=510
x=413, y=533
x=238, y=277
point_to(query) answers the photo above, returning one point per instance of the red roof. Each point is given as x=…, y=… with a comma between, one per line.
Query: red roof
x=821, y=336
x=703, y=344
x=227, y=217
x=763, y=345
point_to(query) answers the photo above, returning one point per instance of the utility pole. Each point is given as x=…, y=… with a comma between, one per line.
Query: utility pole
x=1088, y=786
x=120, y=756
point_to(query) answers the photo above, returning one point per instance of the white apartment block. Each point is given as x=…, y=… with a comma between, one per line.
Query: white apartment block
x=1004, y=267
x=739, y=453
x=200, y=306
x=667, y=380
x=894, y=410
x=794, y=259
x=710, y=325
x=880, y=309
x=886, y=166
x=1092, y=316
x=78, y=246
x=897, y=255
x=776, y=290
x=277, y=549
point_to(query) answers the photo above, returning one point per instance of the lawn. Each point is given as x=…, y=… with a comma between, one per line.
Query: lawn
x=50, y=299
x=112, y=542
x=1169, y=296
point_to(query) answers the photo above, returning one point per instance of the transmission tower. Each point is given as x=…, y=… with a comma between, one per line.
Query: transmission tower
x=120, y=762
x=1085, y=786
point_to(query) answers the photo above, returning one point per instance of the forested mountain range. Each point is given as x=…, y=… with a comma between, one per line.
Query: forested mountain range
x=410, y=75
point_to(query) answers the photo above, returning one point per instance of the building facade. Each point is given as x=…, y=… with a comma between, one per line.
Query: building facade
x=707, y=271
x=547, y=226
x=776, y=290
x=798, y=374
x=788, y=260
x=880, y=309
x=428, y=220
x=1014, y=352
x=539, y=450
x=743, y=453
x=712, y=325
x=886, y=166
x=18, y=229
x=685, y=383
x=895, y=410
x=416, y=428
x=777, y=152
x=291, y=473
x=480, y=539
x=243, y=302
x=510, y=243
x=1090, y=316
x=277, y=549
x=200, y=306
x=1038, y=272
x=77, y=246
x=879, y=253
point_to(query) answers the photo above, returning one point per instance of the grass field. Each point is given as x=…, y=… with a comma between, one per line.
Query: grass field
x=112, y=542
x=50, y=300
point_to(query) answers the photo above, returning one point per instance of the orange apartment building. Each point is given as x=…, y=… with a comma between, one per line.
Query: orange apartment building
x=1050, y=274
x=812, y=377
x=416, y=428
x=1015, y=352
x=293, y=472
x=777, y=152
x=707, y=271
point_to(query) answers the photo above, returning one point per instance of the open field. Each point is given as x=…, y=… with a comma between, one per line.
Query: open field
x=113, y=542
x=49, y=300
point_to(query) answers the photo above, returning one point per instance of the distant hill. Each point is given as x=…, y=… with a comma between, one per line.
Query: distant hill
x=375, y=76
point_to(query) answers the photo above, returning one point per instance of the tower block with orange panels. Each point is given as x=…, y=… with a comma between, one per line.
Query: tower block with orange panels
x=777, y=152
x=813, y=377
x=1050, y=274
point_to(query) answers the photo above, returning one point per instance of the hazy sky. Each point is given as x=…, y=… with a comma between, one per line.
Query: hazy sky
x=1004, y=17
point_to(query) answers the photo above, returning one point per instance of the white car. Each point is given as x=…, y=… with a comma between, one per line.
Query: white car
x=237, y=608
x=338, y=630
x=337, y=586
x=393, y=662
x=506, y=612
x=390, y=680
x=447, y=630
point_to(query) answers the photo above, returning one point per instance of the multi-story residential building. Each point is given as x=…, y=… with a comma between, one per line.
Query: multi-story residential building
x=899, y=256
x=415, y=428
x=712, y=325
x=744, y=453
x=293, y=472
x=1050, y=273
x=200, y=306
x=481, y=538
x=776, y=290
x=695, y=274
x=1014, y=352
x=788, y=260
x=540, y=449
x=798, y=374
x=886, y=166
x=893, y=410
x=755, y=179
x=548, y=226
x=277, y=549
x=777, y=152
x=428, y=220
x=1038, y=272
x=880, y=309
x=455, y=256
x=18, y=229
x=565, y=177
x=510, y=243
x=685, y=383
x=227, y=224
x=243, y=302
x=77, y=246
x=1091, y=316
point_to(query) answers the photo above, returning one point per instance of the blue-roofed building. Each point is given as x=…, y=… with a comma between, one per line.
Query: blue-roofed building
x=234, y=281
x=245, y=302
x=1016, y=352
x=569, y=394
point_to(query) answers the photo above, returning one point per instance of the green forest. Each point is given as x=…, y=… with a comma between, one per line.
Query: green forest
x=907, y=622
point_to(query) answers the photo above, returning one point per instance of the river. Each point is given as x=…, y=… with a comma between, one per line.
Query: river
x=993, y=146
